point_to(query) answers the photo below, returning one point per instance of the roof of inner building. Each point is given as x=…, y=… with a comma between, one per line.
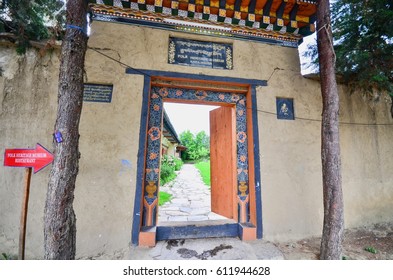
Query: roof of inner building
x=276, y=21
x=169, y=131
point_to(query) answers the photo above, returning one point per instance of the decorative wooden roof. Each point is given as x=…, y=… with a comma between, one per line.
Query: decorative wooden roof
x=274, y=21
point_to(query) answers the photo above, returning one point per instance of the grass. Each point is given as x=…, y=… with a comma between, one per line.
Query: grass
x=204, y=170
x=371, y=250
x=167, y=179
x=163, y=198
x=5, y=256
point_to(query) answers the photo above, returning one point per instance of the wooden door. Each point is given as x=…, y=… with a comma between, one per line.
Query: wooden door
x=223, y=161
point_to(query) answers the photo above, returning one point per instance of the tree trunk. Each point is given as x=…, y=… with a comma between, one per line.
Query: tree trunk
x=59, y=218
x=333, y=223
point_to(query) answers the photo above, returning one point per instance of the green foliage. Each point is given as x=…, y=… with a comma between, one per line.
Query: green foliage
x=198, y=146
x=163, y=197
x=371, y=250
x=178, y=164
x=187, y=139
x=363, y=35
x=204, y=170
x=169, y=165
x=363, y=43
x=168, y=160
x=32, y=20
x=167, y=174
x=4, y=256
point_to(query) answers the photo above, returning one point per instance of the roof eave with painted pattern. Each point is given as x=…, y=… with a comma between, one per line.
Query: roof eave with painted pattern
x=274, y=20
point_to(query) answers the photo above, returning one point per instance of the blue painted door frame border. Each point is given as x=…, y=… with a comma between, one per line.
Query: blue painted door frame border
x=164, y=232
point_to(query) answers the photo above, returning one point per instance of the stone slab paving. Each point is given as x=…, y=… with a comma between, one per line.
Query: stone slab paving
x=190, y=198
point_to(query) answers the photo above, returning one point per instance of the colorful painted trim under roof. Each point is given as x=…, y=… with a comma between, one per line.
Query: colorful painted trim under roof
x=274, y=21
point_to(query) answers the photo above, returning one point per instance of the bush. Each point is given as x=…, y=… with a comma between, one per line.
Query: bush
x=167, y=173
x=169, y=165
x=178, y=164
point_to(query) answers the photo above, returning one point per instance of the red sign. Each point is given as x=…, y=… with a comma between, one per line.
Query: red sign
x=37, y=158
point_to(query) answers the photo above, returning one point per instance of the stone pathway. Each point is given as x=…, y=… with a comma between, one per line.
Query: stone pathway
x=190, y=198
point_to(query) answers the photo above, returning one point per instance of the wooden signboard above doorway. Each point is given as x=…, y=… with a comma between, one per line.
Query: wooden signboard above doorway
x=200, y=53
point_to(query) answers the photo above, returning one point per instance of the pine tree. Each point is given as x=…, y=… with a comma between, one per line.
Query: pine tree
x=363, y=35
x=59, y=218
x=28, y=20
x=363, y=43
x=31, y=20
x=333, y=222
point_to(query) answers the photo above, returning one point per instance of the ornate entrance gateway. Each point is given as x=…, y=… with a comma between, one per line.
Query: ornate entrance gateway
x=226, y=128
x=238, y=195
x=234, y=191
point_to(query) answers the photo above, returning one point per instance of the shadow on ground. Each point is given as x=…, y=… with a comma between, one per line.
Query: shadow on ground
x=364, y=243
x=209, y=249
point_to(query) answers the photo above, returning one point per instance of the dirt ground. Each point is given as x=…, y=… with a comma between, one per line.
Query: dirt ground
x=365, y=243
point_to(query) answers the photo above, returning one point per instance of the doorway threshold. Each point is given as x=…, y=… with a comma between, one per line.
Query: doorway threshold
x=196, y=223
x=198, y=229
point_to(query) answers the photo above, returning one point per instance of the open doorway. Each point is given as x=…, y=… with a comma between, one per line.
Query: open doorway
x=234, y=197
x=187, y=129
